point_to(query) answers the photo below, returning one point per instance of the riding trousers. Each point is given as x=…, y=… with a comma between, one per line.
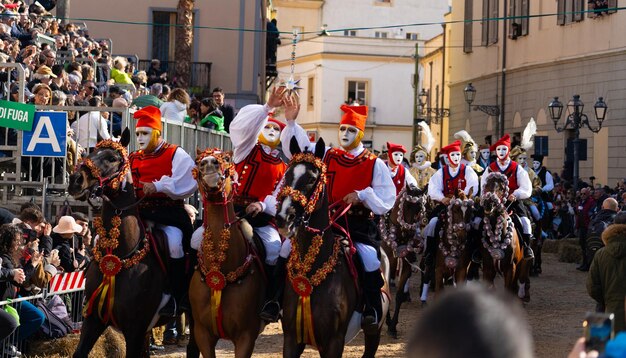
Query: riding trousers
x=268, y=234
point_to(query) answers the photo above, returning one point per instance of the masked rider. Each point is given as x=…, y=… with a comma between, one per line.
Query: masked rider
x=520, y=156
x=357, y=177
x=520, y=188
x=399, y=175
x=421, y=168
x=469, y=150
x=162, y=178
x=442, y=188
x=547, y=183
x=485, y=156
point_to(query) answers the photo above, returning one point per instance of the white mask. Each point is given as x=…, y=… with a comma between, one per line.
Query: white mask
x=445, y=159
x=522, y=160
x=502, y=151
x=420, y=158
x=536, y=165
x=485, y=153
x=454, y=159
x=472, y=155
x=347, y=135
x=144, y=135
x=271, y=132
x=397, y=157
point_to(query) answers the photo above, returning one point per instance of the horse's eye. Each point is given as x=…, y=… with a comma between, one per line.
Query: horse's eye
x=112, y=159
x=312, y=180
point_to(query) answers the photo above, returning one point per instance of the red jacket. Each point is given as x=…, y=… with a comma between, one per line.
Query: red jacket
x=583, y=209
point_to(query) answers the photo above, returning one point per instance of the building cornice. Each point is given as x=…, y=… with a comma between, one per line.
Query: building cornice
x=346, y=56
x=299, y=4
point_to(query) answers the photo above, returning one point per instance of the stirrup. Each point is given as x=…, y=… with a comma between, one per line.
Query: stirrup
x=270, y=312
x=369, y=323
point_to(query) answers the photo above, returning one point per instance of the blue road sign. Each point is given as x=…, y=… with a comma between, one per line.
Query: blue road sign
x=48, y=137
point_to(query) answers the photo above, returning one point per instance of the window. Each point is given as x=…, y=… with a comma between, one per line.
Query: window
x=570, y=11
x=350, y=33
x=357, y=92
x=380, y=34
x=467, y=26
x=601, y=7
x=519, y=10
x=310, y=93
x=490, y=22
x=412, y=36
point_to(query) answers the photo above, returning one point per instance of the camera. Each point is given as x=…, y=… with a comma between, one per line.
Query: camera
x=599, y=330
x=29, y=235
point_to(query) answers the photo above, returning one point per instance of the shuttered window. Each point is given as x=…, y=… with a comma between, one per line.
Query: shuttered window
x=519, y=11
x=490, y=22
x=468, y=26
x=570, y=11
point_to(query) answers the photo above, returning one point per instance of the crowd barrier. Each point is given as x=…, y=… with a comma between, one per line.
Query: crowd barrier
x=70, y=287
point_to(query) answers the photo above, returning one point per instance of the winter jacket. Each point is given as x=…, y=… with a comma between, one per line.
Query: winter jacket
x=8, y=287
x=606, y=282
x=601, y=221
x=65, y=252
x=174, y=110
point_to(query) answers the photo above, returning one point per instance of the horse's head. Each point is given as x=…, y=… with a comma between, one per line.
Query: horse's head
x=302, y=187
x=495, y=192
x=411, y=203
x=106, y=167
x=214, y=172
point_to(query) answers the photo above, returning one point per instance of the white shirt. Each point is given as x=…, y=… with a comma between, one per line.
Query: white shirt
x=549, y=182
x=379, y=197
x=87, y=128
x=408, y=178
x=180, y=184
x=525, y=186
x=436, y=184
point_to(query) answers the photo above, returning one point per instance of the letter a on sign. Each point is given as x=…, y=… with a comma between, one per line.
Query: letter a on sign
x=48, y=137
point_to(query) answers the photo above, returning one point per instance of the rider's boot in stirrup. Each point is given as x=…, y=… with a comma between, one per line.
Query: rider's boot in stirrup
x=274, y=293
x=528, y=251
x=372, y=283
x=176, y=278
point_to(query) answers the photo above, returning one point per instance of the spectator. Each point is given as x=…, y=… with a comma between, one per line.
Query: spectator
x=10, y=245
x=8, y=323
x=43, y=94
x=227, y=110
x=607, y=274
x=598, y=224
x=176, y=106
x=118, y=74
x=151, y=99
x=212, y=117
x=166, y=93
x=193, y=112
x=91, y=127
x=116, y=117
x=64, y=239
x=472, y=322
x=155, y=73
x=84, y=237
x=43, y=75
x=6, y=217
x=37, y=227
x=585, y=205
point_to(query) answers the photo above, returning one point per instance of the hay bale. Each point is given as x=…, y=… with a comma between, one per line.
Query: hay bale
x=570, y=253
x=110, y=344
x=551, y=246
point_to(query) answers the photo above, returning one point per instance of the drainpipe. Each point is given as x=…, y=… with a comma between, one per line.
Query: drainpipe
x=443, y=87
x=503, y=73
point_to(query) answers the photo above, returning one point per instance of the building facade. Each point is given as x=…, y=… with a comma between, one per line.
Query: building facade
x=544, y=49
x=144, y=29
x=372, y=66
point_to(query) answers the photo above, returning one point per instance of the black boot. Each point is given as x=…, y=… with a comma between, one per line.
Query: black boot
x=177, y=287
x=274, y=292
x=528, y=251
x=372, y=283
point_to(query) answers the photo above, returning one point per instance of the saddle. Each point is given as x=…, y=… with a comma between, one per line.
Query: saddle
x=158, y=244
x=254, y=239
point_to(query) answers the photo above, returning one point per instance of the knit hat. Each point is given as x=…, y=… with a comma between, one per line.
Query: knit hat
x=276, y=121
x=454, y=147
x=354, y=116
x=67, y=225
x=149, y=117
x=392, y=147
x=506, y=140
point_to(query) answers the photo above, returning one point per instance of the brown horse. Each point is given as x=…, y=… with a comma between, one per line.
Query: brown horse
x=501, y=250
x=452, y=257
x=319, y=306
x=228, y=288
x=401, y=243
x=126, y=275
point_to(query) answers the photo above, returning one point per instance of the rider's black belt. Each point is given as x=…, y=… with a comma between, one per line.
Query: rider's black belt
x=148, y=203
x=358, y=212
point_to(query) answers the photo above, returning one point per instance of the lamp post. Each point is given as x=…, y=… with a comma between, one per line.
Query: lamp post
x=491, y=110
x=575, y=120
x=433, y=115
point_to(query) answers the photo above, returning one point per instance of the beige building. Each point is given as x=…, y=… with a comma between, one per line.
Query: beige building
x=522, y=63
x=237, y=57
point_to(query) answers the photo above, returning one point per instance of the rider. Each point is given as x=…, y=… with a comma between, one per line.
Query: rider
x=469, y=149
x=485, y=156
x=397, y=170
x=547, y=183
x=442, y=188
x=356, y=177
x=520, y=188
x=162, y=179
x=421, y=168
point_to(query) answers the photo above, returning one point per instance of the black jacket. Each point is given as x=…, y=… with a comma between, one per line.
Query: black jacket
x=8, y=287
x=65, y=252
x=601, y=221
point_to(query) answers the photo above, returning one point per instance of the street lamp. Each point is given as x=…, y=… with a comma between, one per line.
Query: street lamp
x=433, y=115
x=575, y=120
x=470, y=95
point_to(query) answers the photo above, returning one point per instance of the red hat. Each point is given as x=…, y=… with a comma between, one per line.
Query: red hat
x=506, y=140
x=149, y=117
x=454, y=147
x=354, y=116
x=276, y=121
x=391, y=147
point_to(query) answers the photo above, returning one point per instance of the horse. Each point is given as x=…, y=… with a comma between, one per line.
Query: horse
x=542, y=230
x=228, y=287
x=452, y=257
x=400, y=241
x=502, y=250
x=125, y=284
x=319, y=307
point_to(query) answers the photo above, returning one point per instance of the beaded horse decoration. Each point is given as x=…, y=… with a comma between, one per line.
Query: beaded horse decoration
x=402, y=235
x=499, y=238
x=454, y=234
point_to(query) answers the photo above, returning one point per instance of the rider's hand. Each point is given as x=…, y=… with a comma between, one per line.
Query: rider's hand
x=446, y=201
x=352, y=198
x=512, y=198
x=276, y=97
x=292, y=107
x=148, y=188
x=254, y=209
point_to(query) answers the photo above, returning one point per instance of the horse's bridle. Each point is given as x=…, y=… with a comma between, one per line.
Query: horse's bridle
x=227, y=170
x=450, y=245
x=405, y=196
x=309, y=204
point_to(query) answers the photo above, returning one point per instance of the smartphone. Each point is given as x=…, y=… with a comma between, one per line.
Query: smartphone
x=599, y=330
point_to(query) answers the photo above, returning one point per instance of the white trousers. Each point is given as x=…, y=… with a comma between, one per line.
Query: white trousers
x=368, y=254
x=429, y=229
x=268, y=234
x=526, y=226
x=174, y=240
x=534, y=212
